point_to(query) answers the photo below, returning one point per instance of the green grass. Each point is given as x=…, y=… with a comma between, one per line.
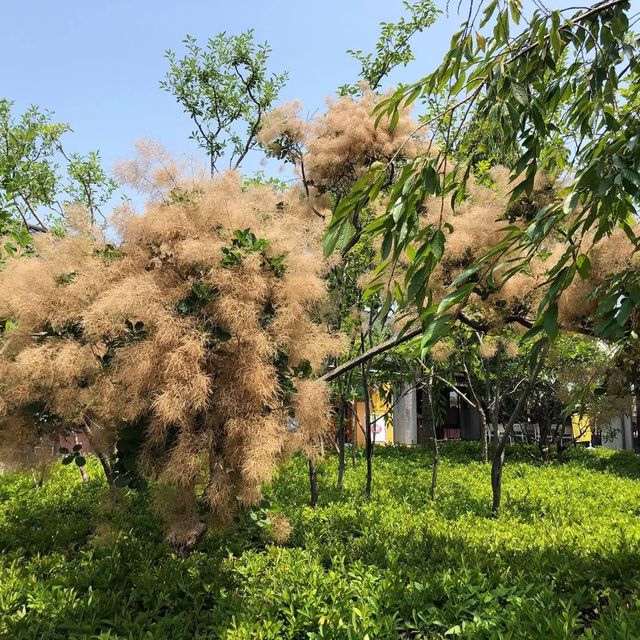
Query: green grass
x=562, y=560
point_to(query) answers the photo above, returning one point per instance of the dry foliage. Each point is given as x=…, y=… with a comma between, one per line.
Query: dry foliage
x=333, y=150
x=198, y=330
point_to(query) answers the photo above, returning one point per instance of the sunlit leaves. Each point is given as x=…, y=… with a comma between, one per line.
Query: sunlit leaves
x=225, y=89
x=34, y=189
x=393, y=47
x=553, y=91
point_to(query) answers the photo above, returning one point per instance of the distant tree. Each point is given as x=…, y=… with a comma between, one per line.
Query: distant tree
x=225, y=89
x=39, y=181
x=29, y=148
x=88, y=184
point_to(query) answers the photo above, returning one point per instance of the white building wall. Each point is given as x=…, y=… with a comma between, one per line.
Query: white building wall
x=623, y=438
x=405, y=415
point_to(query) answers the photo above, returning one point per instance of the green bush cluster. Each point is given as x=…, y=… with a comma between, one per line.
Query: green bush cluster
x=561, y=561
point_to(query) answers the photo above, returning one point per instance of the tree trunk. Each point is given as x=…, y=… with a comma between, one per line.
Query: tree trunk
x=637, y=427
x=367, y=432
x=560, y=447
x=429, y=415
x=544, y=428
x=354, y=439
x=495, y=415
x=481, y=413
x=341, y=443
x=313, y=481
x=83, y=472
x=108, y=471
x=84, y=475
x=498, y=456
x=104, y=460
x=484, y=435
x=496, y=478
x=38, y=481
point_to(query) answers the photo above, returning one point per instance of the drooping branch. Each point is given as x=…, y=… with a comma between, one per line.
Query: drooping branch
x=371, y=353
x=389, y=344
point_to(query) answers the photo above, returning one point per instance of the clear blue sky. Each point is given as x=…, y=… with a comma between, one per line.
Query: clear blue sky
x=97, y=64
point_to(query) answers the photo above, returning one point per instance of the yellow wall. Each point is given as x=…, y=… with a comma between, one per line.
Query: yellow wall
x=379, y=407
x=580, y=428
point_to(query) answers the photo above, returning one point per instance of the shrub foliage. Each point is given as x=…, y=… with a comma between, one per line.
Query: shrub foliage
x=560, y=562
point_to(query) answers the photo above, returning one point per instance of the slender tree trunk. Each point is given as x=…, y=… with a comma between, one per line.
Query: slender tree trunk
x=560, y=440
x=484, y=436
x=498, y=456
x=84, y=475
x=38, y=481
x=341, y=442
x=495, y=415
x=544, y=429
x=496, y=478
x=104, y=460
x=434, y=439
x=313, y=481
x=83, y=472
x=367, y=431
x=429, y=416
x=481, y=413
x=354, y=440
x=637, y=402
x=106, y=467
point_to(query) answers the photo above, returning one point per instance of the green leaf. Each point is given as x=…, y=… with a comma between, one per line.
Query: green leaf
x=456, y=296
x=488, y=12
x=583, y=264
x=418, y=282
x=437, y=244
x=122, y=482
x=395, y=118
x=554, y=34
x=331, y=238
x=81, y=461
x=430, y=179
x=550, y=322
x=626, y=308
x=434, y=331
x=570, y=202
x=465, y=275
x=516, y=9
x=520, y=94
x=413, y=95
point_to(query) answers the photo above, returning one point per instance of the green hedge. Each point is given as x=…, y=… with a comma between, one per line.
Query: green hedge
x=562, y=561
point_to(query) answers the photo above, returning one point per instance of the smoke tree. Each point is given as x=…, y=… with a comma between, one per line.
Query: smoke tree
x=330, y=153
x=190, y=344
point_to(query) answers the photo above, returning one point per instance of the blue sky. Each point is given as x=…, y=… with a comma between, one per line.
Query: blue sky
x=97, y=64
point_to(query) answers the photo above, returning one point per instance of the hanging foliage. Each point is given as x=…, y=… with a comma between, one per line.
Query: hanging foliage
x=189, y=346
